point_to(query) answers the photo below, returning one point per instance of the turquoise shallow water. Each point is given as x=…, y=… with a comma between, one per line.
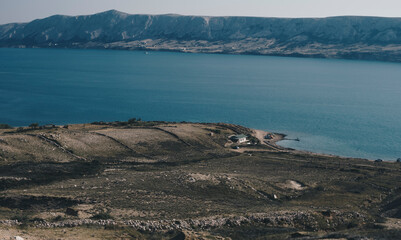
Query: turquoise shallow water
x=348, y=108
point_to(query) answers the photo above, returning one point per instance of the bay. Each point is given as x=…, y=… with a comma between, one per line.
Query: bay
x=341, y=107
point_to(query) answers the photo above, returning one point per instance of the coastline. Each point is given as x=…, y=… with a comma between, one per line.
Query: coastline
x=268, y=145
x=278, y=137
x=351, y=57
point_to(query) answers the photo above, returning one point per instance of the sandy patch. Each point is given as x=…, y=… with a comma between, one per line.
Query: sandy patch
x=291, y=184
x=194, y=177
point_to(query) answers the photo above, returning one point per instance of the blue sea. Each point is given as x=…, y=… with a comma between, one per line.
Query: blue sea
x=341, y=107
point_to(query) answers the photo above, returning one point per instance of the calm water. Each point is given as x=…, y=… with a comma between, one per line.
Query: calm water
x=349, y=108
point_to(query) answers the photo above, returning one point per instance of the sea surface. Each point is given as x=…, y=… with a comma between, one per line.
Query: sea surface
x=342, y=107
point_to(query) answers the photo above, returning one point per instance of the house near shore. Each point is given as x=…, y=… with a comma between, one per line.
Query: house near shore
x=241, y=138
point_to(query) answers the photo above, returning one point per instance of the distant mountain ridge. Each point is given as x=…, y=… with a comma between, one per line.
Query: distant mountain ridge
x=350, y=37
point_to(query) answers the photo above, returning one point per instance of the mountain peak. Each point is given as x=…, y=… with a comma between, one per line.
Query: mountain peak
x=113, y=12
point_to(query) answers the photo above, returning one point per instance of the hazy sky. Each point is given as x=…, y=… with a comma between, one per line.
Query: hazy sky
x=27, y=10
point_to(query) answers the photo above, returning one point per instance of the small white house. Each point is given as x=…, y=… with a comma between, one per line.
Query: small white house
x=240, y=138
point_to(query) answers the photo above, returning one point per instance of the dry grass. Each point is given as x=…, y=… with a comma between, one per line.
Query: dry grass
x=181, y=171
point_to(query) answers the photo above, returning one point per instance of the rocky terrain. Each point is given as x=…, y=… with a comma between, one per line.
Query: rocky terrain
x=159, y=180
x=348, y=37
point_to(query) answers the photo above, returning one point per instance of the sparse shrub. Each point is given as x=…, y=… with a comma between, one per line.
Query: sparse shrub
x=5, y=126
x=119, y=124
x=352, y=224
x=137, y=122
x=24, y=221
x=71, y=212
x=216, y=131
x=34, y=125
x=112, y=227
x=58, y=218
x=134, y=233
x=132, y=121
x=99, y=123
x=101, y=216
x=21, y=218
x=20, y=129
x=180, y=236
x=37, y=219
x=253, y=140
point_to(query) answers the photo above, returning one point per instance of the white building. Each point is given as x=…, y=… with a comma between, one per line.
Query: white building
x=240, y=138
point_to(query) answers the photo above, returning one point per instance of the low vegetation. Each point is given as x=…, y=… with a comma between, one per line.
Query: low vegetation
x=158, y=180
x=5, y=126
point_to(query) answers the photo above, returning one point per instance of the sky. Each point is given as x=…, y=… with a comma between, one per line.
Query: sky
x=28, y=10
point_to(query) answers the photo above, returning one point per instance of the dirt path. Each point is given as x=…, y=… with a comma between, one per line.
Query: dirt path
x=56, y=144
x=123, y=145
x=172, y=134
x=259, y=134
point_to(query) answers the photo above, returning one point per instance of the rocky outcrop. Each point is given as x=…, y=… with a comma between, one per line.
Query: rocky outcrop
x=335, y=37
x=311, y=221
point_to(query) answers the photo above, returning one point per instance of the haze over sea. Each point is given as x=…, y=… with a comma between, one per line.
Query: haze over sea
x=342, y=107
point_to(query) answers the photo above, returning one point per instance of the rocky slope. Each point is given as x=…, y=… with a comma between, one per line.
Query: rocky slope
x=159, y=180
x=350, y=37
